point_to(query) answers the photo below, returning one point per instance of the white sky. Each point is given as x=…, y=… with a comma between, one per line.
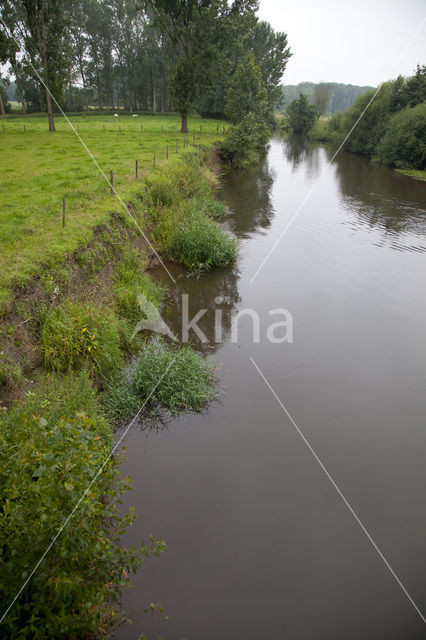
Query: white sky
x=350, y=41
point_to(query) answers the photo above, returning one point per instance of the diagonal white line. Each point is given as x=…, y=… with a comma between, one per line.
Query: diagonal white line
x=314, y=186
x=315, y=455
x=126, y=209
x=86, y=491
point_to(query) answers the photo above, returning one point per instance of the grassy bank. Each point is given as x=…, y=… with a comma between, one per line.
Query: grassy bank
x=417, y=174
x=40, y=168
x=66, y=337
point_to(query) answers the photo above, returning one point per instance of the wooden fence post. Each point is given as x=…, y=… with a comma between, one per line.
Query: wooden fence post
x=24, y=129
x=153, y=161
x=63, y=212
x=111, y=181
x=136, y=169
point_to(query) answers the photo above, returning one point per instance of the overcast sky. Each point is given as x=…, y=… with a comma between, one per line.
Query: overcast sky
x=355, y=42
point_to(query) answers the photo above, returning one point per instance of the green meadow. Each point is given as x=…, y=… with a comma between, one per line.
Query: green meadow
x=39, y=169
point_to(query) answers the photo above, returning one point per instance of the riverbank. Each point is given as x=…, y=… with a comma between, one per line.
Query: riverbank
x=66, y=336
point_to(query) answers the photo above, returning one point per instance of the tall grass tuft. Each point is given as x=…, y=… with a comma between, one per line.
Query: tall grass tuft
x=199, y=243
x=75, y=335
x=130, y=281
x=186, y=380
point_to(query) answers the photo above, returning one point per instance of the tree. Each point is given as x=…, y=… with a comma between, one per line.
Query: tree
x=193, y=27
x=45, y=20
x=247, y=93
x=322, y=97
x=302, y=115
x=401, y=145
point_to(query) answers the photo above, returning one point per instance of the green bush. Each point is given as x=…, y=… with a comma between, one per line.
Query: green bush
x=46, y=467
x=244, y=141
x=186, y=379
x=402, y=145
x=75, y=335
x=198, y=243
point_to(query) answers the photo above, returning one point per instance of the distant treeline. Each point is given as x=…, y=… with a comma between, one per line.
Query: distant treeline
x=341, y=96
x=157, y=55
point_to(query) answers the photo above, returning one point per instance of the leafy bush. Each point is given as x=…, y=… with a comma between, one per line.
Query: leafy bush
x=198, y=243
x=401, y=145
x=186, y=380
x=74, y=335
x=46, y=467
x=244, y=141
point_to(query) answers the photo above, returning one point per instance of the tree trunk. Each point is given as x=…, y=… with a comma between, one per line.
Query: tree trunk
x=184, y=127
x=19, y=86
x=21, y=96
x=154, y=99
x=49, y=110
x=2, y=111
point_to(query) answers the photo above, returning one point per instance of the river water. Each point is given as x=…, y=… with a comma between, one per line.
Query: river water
x=260, y=543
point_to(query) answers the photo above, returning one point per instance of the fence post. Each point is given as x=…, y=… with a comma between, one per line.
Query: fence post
x=177, y=144
x=104, y=128
x=63, y=212
x=136, y=169
x=153, y=161
x=141, y=128
x=193, y=138
x=167, y=152
x=119, y=128
x=24, y=129
x=111, y=181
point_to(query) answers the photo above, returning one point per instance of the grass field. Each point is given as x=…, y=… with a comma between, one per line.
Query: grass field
x=39, y=168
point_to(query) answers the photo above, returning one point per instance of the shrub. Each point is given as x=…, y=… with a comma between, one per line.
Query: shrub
x=74, y=335
x=186, y=379
x=198, y=243
x=244, y=141
x=401, y=145
x=46, y=467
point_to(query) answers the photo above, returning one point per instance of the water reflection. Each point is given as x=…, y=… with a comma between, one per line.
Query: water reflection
x=298, y=150
x=382, y=198
x=248, y=194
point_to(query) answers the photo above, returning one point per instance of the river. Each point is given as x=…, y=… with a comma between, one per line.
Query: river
x=260, y=543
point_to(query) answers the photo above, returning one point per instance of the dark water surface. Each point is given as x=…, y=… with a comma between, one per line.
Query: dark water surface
x=259, y=543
